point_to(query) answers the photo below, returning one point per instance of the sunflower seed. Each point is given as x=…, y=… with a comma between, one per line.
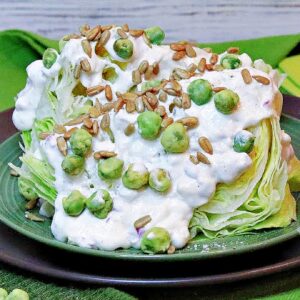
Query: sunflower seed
x=214, y=58
x=129, y=96
x=202, y=158
x=106, y=27
x=155, y=68
x=105, y=122
x=76, y=121
x=60, y=129
x=183, y=74
x=85, y=65
x=186, y=101
x=166, y=122
x=107, y=107
x=171, y=92
x=246, y=76
x=77, y=71
x=191, y=68
x=103, y=39
x=163, y=96
x=146, y=103
x=190, y=122
x=146, y=40
x=71, y=36
x=86, y=46
x=205, y=144
x=130, y=106
x=261, y=79
x=202, y=64
x=88, y=123
x=171, y=249
x=94, y=112
x=136, y=77
x=62, y=145
x=190, y=52
x=95, y=127
x=143, y=66
x=139, y=105
x=84, y=29
x=68, y=134
x=177, y=47
x=122, y=33
x=44, y=135
x=136, y=32
x=31, y=204
x=160, y=110
x=125, y=27
x=108, y=92
x=194, y=159
x=177, y=101
x=130, y=129
x=233, y=50
x=104, y=154
x=209, y=67
x=94, y=33
x=171, y=107
x=218, y=89
x=94, y=90
x=118, y=104
x=142, y=222
x=152, y=99
x=149, y=73
x=218, y=68
x=32, y=217
x=208, y=50
x=178, y=55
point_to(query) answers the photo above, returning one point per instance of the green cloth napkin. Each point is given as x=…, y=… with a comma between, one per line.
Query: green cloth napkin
x=19, y=48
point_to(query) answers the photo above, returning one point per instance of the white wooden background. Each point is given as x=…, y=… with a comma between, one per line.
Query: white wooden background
x=215, y=20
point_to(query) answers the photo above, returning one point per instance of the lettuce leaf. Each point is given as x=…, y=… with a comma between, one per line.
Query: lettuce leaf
x=294, y=174
x=39, y=175
x=26, y=138
x=266, y=198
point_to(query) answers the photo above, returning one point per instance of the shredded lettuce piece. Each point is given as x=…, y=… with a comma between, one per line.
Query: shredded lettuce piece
x=267, y=198
x=39, y=175
x=26, y=138
x=44, y=125
x=52, y=99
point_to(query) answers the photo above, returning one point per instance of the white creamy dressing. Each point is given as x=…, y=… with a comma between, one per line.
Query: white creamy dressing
x=192, y=185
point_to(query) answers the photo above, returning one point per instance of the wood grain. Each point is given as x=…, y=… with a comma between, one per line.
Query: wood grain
x=202, y=21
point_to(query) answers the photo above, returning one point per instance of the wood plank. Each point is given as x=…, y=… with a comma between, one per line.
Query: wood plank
x=204, y=21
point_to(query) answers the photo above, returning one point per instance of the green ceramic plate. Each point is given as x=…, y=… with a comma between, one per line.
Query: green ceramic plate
x=12, y=214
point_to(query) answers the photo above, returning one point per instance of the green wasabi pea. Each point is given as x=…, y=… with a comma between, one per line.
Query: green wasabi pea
x=73, y=164
x=123, y=48
x=155, y=240
x=200, y=91
x=149, y=123
x=175, y=138
x=100, y=208
x=155, y=35
x=3, y=294
x=226, y=101
x=26, y=190
x=74, y=204
x=230, y=61
x=49, y=58
x=17, y=294
x=81, y=142
x=159, y=180
x=136, y=176
x=243, y=141
x=111, y=168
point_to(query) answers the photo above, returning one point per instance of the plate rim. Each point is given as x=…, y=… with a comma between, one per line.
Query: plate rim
x=146, y=257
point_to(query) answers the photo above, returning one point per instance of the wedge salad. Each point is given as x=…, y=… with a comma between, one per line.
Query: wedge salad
x=131, y=143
